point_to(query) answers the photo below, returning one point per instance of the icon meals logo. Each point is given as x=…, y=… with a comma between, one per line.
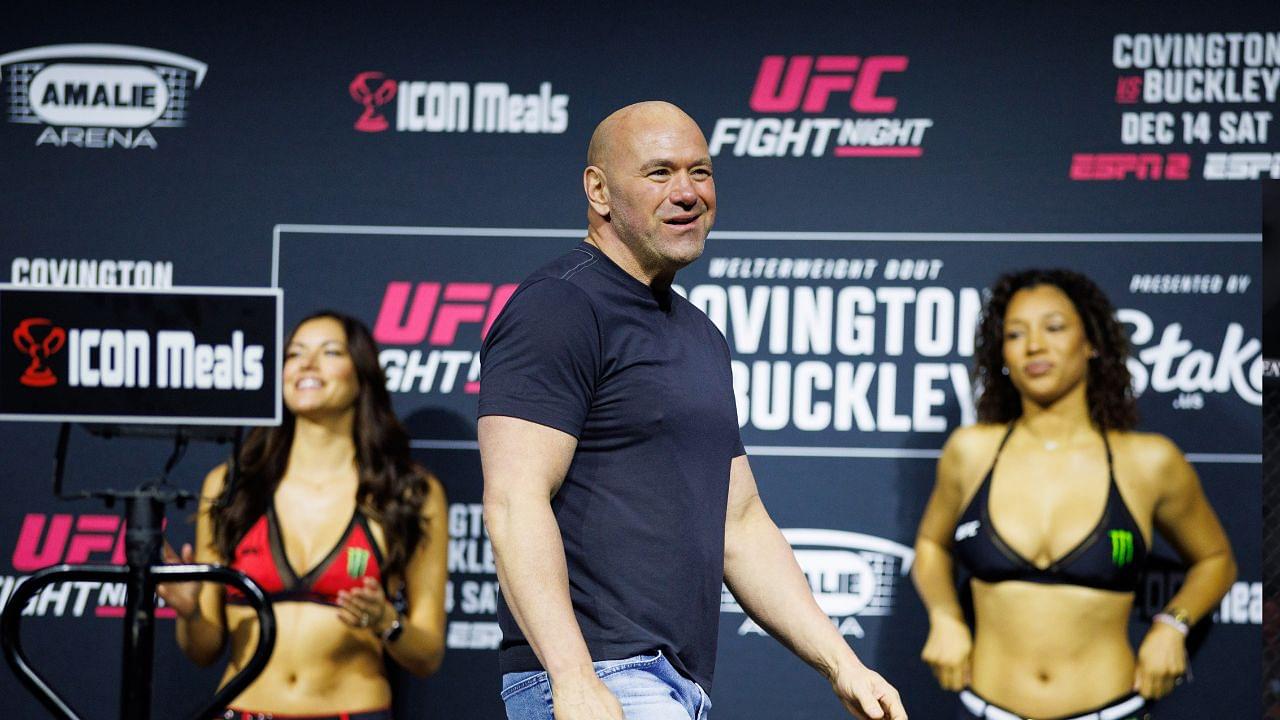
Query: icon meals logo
x=438, y=106
x=851, y=575
x=369, y=92
x=119, y=358
x=37, y=373
x=99, y=95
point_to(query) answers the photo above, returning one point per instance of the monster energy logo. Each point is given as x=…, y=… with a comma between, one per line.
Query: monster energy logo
x=358, y=560
x=1121, y=547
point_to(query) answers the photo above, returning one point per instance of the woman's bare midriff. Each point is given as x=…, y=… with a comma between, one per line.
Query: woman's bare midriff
x=319, y=666
x=1050, y=650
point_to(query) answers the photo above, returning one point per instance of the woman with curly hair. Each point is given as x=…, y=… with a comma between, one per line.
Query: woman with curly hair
x=332, y=518
x=1050, y=503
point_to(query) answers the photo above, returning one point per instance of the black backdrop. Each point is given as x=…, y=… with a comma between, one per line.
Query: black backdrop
x=846, y=279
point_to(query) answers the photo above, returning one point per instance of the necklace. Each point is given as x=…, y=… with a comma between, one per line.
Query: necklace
x=1049, y=444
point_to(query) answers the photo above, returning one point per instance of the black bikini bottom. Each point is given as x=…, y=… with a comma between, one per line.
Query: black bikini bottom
x=1129, y=707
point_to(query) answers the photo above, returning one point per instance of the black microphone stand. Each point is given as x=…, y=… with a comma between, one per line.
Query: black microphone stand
x=144, y=510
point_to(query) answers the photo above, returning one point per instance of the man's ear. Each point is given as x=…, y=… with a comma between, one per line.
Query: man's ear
x=597, y=190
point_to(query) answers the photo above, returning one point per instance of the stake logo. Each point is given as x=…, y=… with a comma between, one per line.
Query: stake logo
x=443, y=316
x=813, y=86
x=457, y=107
x=37, y=373
x=363, y=91
x=1121, y=547
x=1174, y=364
x=850, y=574
x=99, y=95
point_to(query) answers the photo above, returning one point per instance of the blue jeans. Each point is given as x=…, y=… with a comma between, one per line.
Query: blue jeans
x=648, y=687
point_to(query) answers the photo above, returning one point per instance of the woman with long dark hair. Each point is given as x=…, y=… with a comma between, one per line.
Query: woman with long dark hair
x=1051, y=502
x=332, y=518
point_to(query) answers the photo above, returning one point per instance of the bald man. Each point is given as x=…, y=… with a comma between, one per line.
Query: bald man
x=617, y=493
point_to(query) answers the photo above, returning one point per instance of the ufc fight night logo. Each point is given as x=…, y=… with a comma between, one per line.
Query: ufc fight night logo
x=834, y=86
x=451, y=317
x=50, y=539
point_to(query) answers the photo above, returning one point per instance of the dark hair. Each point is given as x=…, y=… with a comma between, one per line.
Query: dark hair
x=391, y=488
x=1109, y=389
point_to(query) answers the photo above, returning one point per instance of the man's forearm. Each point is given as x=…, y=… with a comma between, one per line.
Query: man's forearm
x=761, y=571
x=535, y=582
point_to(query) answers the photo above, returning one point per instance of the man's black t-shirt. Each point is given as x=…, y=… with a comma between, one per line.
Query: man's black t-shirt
x=643, y=381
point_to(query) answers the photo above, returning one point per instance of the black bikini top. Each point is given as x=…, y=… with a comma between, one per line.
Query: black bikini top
x=1110, y=557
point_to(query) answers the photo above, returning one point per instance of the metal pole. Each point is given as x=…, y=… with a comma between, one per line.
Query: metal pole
x=144, y=513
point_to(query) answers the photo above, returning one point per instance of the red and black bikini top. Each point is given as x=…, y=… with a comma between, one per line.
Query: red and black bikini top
x=260, y=555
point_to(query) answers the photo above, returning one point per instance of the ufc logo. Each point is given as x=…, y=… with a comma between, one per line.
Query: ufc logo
x=801, y=82
x=967, y=530
x=437, y=311
x=68, y=539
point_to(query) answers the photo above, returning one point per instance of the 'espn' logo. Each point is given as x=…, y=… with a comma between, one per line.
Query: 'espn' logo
x=1142, y=166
